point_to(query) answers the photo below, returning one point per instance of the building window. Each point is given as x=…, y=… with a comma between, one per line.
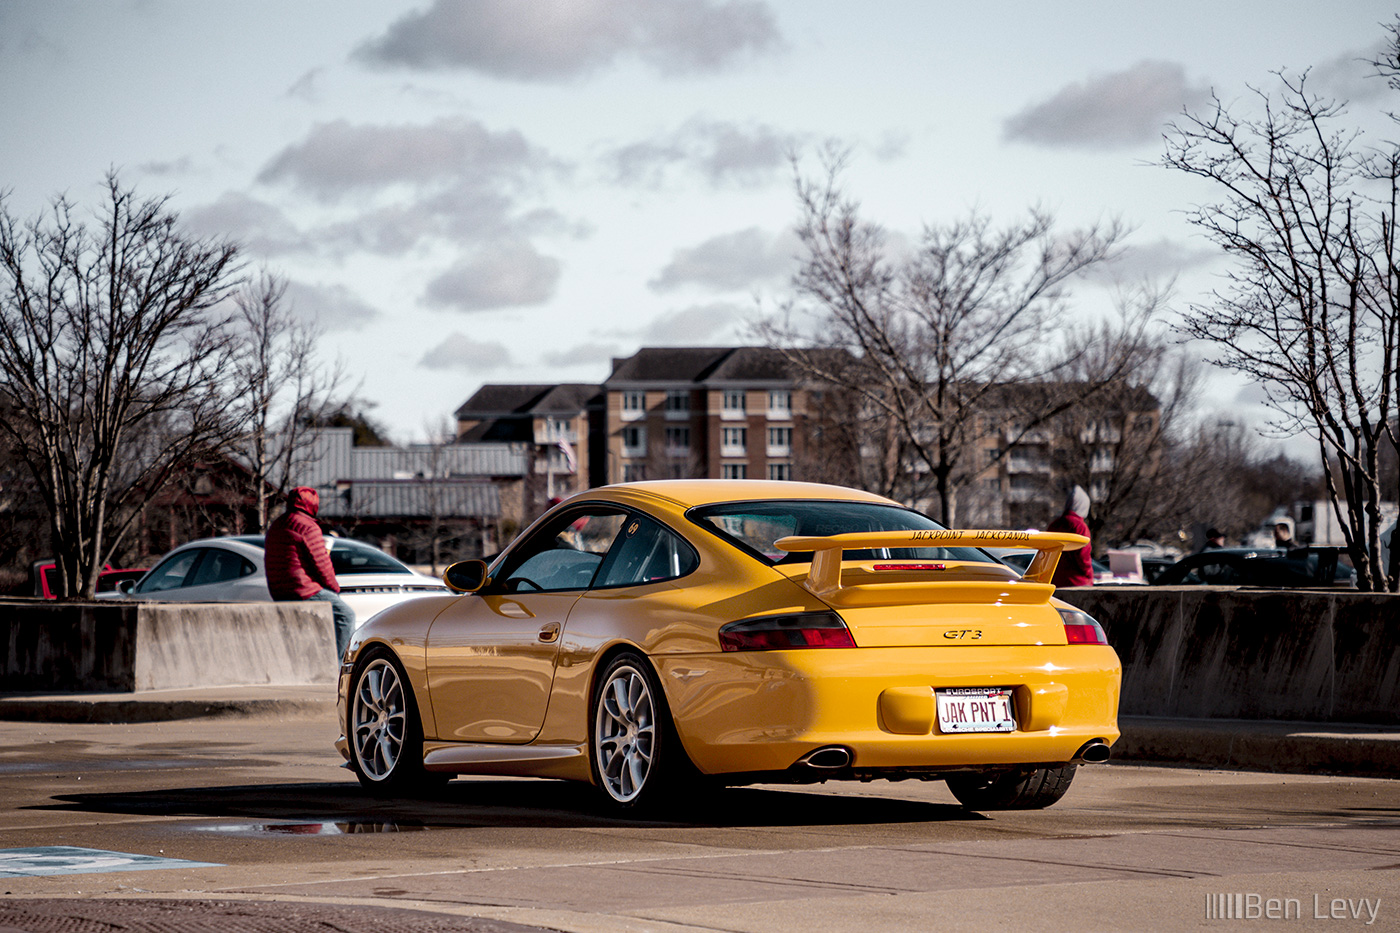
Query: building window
x=634, y=405
x=558, y=429
x=734, y=471
x=677, y=442
x=780, y=405
x=634, y=441
x=734, y=442
x=678, y=404
x=735, y=404
x=634, y=472
x=779, y=442
x=780, y=471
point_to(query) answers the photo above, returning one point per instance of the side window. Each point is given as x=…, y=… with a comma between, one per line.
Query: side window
x=1219, y=574
x=646, y=553
x=170, y=574
x=219, y=566
x=564, y=555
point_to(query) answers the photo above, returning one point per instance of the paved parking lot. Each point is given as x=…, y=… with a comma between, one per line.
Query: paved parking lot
x=256, y=813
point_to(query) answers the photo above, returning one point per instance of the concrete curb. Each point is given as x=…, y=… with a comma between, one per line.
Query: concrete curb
x=1253, y=745
x=1261, y=745
x=271, y=701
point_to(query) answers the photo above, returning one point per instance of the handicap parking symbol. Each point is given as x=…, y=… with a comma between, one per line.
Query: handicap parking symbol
x=74, y=860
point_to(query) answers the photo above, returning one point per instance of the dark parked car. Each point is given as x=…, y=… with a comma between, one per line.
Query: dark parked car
x=1275, y=567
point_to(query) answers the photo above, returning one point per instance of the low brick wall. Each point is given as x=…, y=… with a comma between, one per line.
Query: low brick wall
x=1226, y=653
x=120, y=646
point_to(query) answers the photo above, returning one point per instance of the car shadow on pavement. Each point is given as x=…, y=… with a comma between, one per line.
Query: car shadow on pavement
x=484, y=802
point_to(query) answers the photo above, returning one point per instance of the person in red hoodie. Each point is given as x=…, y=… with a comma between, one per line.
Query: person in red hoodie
x=299, y=566
x=1075, y=568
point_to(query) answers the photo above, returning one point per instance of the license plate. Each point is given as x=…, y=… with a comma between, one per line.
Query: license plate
x=975, y=709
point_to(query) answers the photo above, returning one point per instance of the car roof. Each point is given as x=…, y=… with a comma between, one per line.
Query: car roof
x=260, y=541
x=687, y=493
x=238, y=543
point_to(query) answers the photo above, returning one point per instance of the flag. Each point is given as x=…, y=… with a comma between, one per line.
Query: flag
x=567, y=450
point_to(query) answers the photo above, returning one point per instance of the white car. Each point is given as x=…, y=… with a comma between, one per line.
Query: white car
x=230, y=570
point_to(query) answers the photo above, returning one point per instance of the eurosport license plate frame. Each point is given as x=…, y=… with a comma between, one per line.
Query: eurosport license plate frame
x=975, y=709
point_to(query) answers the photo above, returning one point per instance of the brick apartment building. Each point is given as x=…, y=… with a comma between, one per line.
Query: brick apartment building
x=717, y=412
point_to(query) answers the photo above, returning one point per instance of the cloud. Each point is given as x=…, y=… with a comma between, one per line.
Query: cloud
x=386, y=189
x=1119, y=110
x=587, y=354
x=698, y=324
x=1158, y=260
x=722, y=152
x=1352, y=76
x=730, y=262
x=553, y=40
x=338, y=158
x=259, y=227
x=504, y=276
x=459, y=351
x=308, y=86
x=181, y=166
x=893, y=145
x=461, y=215
x=334, y=307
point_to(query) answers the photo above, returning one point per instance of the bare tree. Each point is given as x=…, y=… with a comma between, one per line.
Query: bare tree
x=284, y=389
x=1125, y=442
x=111, y=355
x=1237, y=483
x=933, y=339
x=1310, y=311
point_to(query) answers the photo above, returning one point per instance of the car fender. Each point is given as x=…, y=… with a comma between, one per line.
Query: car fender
x=403, y=630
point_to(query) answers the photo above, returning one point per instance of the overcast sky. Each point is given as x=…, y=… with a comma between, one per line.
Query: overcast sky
x=519, y=190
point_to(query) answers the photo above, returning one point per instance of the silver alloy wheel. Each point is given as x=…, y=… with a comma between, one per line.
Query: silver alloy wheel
x=624, y=733
x=380, y=719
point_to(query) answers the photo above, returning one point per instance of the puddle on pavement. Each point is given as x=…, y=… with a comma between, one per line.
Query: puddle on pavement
x=327, y=828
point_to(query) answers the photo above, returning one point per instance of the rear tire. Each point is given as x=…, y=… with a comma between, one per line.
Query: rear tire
x=385, y=731
x=1023, y=789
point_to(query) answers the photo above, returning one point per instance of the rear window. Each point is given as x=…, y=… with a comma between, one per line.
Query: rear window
x=351, y=557
x=755, y=526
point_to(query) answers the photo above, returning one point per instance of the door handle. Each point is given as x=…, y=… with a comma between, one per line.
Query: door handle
x=549, y=632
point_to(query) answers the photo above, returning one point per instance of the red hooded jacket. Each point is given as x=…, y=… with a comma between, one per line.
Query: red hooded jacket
x=296, y=560
x=1075, y=568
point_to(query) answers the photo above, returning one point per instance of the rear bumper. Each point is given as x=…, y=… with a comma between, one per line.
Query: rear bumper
x=762, y=711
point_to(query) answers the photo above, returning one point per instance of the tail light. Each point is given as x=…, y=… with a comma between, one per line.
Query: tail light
x=796, y=630
x=1082, y=628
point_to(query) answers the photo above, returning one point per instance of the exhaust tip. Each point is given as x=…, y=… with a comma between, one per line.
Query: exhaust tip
x=1094, y=752
x=828, y=758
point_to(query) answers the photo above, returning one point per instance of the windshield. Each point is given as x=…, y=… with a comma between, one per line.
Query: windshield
x=347, y=555
x=755, y=526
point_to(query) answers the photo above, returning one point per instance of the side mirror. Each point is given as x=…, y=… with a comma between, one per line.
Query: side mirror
x=126, y=586
x=466, y=576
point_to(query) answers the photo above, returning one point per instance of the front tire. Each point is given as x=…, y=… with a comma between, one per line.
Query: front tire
x=635, y=753
x=1033, y=789
x=386, y=735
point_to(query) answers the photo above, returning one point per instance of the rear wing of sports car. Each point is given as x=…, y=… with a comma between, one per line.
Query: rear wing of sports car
x=824, y=577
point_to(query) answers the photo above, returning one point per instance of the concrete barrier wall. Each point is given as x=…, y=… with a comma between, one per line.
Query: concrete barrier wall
x=119, y=646
x=1219, y=652
x=1194, y=652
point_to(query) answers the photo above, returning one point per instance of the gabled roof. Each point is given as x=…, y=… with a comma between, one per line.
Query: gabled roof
x=700, y=365
x=499, y=400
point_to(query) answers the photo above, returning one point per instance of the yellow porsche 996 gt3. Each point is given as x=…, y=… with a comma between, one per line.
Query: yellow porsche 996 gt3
x=653, y=635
